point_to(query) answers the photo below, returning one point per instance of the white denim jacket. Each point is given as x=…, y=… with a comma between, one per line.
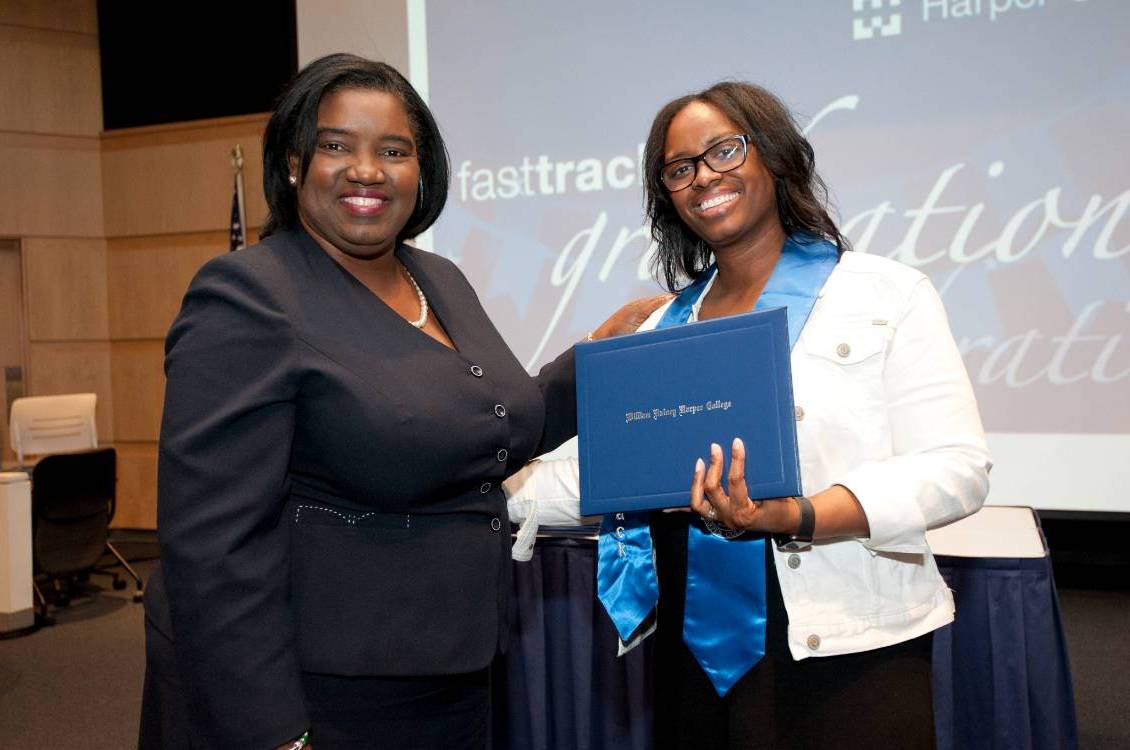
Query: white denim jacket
x=883, y=407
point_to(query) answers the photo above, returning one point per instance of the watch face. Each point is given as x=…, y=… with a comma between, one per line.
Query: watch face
x=721, y=531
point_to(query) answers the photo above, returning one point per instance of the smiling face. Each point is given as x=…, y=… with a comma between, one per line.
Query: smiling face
x=360, y=188
x=731, y=209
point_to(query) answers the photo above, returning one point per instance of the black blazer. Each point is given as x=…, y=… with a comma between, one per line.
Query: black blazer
x=329, y=482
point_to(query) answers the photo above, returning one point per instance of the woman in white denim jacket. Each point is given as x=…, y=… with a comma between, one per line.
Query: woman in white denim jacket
x=888, y=432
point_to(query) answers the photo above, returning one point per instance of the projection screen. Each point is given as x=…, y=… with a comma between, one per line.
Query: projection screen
x=984, y=142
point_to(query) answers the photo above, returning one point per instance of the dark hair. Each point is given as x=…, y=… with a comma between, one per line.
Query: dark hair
x=802, y=196
x=293, y=129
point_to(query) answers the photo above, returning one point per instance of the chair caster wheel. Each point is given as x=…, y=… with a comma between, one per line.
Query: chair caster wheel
x=138, y=596
x=119, y=584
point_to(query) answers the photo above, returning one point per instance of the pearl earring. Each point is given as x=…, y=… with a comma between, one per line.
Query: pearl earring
x=292, y=180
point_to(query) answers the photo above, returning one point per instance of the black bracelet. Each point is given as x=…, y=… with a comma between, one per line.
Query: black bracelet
x=802, y=537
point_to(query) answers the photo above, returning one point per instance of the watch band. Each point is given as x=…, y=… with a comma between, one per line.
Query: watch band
x=802, y=537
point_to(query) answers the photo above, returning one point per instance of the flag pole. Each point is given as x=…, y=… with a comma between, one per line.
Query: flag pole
x=238, y=210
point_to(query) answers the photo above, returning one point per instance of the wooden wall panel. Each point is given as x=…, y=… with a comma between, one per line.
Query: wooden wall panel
x=66, y=289
x=13, y=336
x=13, y=333
x=50, y=82
x=168, y=203
x=50, y=186
x=137, y=486
x=172, y=179
x=74, y=368
x=139, y=388
x=147, y=278
x=79, y=16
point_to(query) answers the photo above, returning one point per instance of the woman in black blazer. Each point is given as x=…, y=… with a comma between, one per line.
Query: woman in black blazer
x=339, y=417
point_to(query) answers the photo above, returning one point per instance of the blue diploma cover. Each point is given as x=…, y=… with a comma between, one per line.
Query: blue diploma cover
x=649, y=405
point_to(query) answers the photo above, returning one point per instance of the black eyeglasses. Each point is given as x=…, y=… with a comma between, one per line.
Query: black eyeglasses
x=725, y=155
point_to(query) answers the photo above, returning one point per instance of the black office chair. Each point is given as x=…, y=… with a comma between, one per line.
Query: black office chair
x=72, y=499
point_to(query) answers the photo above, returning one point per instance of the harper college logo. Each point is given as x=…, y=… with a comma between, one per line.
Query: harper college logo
x=870, y=18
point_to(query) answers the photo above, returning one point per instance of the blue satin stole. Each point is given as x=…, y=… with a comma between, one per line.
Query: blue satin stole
x=724, y=622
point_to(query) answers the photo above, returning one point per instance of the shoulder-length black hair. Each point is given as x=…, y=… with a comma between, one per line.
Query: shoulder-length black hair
x=292, y=130
x=802, y=197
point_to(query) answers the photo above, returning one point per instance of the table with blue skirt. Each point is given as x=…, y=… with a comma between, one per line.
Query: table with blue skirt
x=1001, y=675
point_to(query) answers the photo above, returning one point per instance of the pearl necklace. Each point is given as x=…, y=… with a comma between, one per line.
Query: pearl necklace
x=420, y=321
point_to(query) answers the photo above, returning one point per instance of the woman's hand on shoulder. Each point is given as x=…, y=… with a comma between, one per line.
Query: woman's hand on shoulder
x=630, y=317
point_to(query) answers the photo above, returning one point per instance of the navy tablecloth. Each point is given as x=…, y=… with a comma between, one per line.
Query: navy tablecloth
x=560, y=684
x=1001, y=676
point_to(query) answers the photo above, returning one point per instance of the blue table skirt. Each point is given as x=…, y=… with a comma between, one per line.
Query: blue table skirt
x=1001, y=676
x=561, y=685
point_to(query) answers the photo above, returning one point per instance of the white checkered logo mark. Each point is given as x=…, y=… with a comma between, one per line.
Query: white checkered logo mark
x=865, y=26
